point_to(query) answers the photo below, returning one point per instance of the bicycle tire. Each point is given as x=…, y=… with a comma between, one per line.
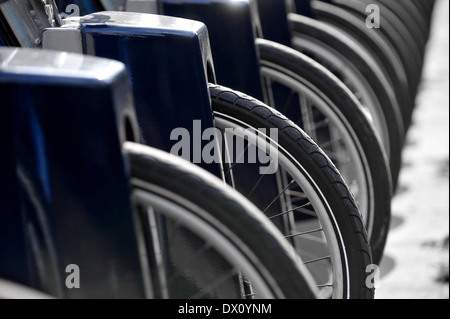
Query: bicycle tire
x=203, y=198
x=421, y=10
x=369, y=148
x=413, y=35
x=374, y=42
x=364, y=78
x=420, y=28
x=355, y=53
x=343, y=220
x=400, y=37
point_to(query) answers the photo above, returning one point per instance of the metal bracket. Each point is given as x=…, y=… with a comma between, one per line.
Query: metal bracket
x=65, y=38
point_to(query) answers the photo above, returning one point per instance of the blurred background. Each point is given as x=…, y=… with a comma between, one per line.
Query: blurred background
x=417, y=253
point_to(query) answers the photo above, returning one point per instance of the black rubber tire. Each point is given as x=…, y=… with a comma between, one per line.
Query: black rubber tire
x=228, y=212
x=413, y=32
x=355, y=54
x=392, y=28
x=350, y=111
x=399, y=37
x=346, y=48
x=416, y=24
x=374, y=42
x=420, y=9
x=333, y=189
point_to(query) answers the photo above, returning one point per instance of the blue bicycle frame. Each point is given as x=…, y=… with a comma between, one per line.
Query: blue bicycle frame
x=61, y=203
x=169, y=62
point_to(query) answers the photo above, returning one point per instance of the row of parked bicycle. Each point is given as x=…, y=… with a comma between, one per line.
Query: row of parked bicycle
x=300, y=106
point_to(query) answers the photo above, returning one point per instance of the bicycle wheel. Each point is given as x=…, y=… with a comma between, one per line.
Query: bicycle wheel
x=315, y=100
x=413, y=22
x=420, y=10
x=304, y=195
x=198, y=237
x=374, y=42
x=355, y=67
x=400, y=37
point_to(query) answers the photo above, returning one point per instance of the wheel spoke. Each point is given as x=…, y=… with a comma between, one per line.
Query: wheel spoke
x=324, y=285
x=304, y=233
x=279, y=195
x=258, y=182
x=316, y=260
x=230, y=169
x=289, y=211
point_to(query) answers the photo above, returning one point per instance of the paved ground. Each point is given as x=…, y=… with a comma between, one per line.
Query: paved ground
x=417, y=250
